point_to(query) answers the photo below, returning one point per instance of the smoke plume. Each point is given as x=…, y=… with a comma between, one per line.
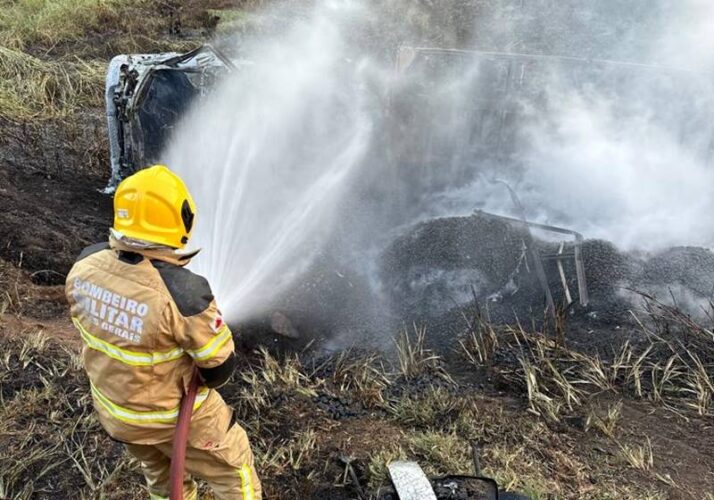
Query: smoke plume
x=294, y=155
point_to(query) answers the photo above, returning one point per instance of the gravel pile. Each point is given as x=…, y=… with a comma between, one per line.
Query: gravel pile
x=692, y=267
x=491, y=245
x=442, y=264
x=440, y=269
x=339, y=407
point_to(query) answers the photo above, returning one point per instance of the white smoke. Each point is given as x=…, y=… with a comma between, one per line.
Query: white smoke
x=620, y=152
x=624, y=179
x=640, y=177
x=687, y=40
x=296, y=142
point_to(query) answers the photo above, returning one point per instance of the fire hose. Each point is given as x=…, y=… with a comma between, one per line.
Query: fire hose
x=178, y=452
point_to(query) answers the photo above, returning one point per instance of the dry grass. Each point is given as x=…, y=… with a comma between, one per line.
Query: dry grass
x=436, y=406
x=638, y=456
x=379, y=460
x=46, y=419
x=50, y=22
x=607, y=422
x=481, y=340
x=46, y=27
x=277, y=458
x=675, y=368
x=442, y=452
x=414, y=358
x=13, y=288
x=53, y=53
x=363, y=375
x=672, y=368
x=31, y=88
x=232, y=20
x=296, y=443
x=261, y=384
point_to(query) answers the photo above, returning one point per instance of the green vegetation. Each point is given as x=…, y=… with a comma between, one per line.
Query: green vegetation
x=35, y=85
x=53, y=53
x=24, y=23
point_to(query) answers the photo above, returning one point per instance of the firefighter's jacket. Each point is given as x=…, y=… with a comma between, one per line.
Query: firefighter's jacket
x=146, y=322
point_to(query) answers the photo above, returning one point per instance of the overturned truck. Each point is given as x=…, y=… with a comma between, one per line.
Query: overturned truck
x=454, y=118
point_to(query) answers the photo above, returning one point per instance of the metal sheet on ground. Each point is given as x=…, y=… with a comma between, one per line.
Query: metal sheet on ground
x=410, y=481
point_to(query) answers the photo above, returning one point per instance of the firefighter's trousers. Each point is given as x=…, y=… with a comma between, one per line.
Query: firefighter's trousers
x=227, y=467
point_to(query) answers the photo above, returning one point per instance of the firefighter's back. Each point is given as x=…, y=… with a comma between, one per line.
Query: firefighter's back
x=122, y=304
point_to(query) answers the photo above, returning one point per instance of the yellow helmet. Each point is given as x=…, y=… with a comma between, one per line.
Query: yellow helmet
x=154, y=205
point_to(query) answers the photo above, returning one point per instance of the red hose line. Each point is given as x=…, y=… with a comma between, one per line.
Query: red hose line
x=178, y=453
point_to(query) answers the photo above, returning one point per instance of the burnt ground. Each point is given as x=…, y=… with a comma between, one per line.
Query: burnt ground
x=637, y=432
x=303, y=414
x=49, y=196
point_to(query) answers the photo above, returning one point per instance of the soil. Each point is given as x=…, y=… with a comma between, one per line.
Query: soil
x=50, y=198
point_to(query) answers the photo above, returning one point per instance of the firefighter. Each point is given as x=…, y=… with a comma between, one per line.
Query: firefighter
x=146, y=322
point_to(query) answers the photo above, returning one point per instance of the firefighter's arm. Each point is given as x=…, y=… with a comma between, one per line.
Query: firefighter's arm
x=197, y=324
x=209, y=341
